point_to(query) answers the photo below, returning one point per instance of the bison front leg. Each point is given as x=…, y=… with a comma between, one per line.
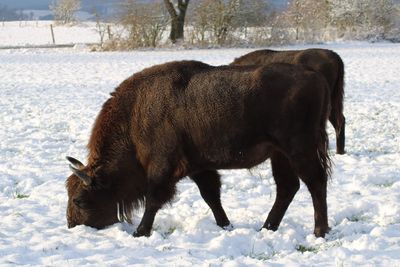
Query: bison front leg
x=287, y=184
x=146, y=224
x=209, y=184
x=160, y=191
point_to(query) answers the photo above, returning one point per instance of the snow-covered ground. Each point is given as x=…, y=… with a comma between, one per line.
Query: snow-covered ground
x=49, y=100
x=15, y=33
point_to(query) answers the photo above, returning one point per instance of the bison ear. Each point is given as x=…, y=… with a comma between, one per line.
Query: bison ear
x=76, y=163
x=86, y=179
x=76, y=169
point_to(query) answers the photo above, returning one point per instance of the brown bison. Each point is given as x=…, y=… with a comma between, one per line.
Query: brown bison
x=326, y=62
x=190, y=119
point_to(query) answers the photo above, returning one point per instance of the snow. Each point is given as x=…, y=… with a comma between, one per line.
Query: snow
x=15, y=33
x=49, y=100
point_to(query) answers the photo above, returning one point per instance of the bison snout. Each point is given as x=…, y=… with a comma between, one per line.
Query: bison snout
x=71, y=225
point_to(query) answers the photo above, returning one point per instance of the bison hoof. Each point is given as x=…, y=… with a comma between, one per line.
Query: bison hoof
x=270, y=226
x=139, y=233
x=321, y=231
x=340, y=152
x=223, y=223
x=228, y=227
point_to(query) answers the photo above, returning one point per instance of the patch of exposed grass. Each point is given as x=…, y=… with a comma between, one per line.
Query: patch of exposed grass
x=169, y=232
x=303, y=249
x=261, y=256
x=357, y=218
x=20, y=195
x=385, y=185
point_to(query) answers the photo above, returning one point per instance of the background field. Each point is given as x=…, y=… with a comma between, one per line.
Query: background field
x=49, y=100
x=34, y=33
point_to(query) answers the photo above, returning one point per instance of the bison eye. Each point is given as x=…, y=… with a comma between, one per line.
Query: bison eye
x=77, y=202
x=80, y=203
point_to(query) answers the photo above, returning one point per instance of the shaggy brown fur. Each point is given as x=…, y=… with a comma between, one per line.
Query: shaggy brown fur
x=324, y=61
x=190, y=119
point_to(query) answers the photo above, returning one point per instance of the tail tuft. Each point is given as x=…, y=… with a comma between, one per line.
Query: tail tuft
x=323, y=140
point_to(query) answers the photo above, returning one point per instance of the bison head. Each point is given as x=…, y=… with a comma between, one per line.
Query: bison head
x=90, y=198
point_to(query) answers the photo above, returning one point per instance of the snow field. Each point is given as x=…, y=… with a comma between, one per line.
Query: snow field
x=49, y=100
x=14, y=33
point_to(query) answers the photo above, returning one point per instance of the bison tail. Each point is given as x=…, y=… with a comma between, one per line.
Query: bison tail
x=323, y=140
x=338, y=94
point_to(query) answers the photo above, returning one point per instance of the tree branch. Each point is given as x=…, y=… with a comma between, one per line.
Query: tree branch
x=170, y=8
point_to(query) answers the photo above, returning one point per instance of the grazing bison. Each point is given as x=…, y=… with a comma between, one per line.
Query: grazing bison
x=326, y=62
x=190, y=119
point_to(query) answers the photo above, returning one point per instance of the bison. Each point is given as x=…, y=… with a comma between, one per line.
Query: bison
x=188, y=118
x=326, y=62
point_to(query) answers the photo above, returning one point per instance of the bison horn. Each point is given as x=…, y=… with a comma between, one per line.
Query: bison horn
x=75, y=162
x=86, y=179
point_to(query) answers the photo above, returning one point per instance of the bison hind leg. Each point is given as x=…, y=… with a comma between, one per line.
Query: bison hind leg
x=209, y=184
x=315, y=176
x=339, y=123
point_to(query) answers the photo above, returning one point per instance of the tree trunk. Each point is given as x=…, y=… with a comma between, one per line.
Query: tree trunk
x=177, y=18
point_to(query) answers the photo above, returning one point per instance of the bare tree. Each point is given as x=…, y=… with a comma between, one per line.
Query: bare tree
x=64, y=10
x=223, y=19
x=200, y=25
x=382, y=15
x=252, y=21
x=307, y=18
x=215, y=18
x=145, y=23
x=253, y=13
x=101, y=27
x=177, y=11
x=361, y=19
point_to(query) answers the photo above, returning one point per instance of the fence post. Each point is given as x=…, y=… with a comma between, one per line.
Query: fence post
x=52, y=33
x=109, y=32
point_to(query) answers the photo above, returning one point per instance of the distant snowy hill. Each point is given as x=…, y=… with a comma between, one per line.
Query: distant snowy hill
x=44, y=4
x=26, y=4
x=103, y=6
